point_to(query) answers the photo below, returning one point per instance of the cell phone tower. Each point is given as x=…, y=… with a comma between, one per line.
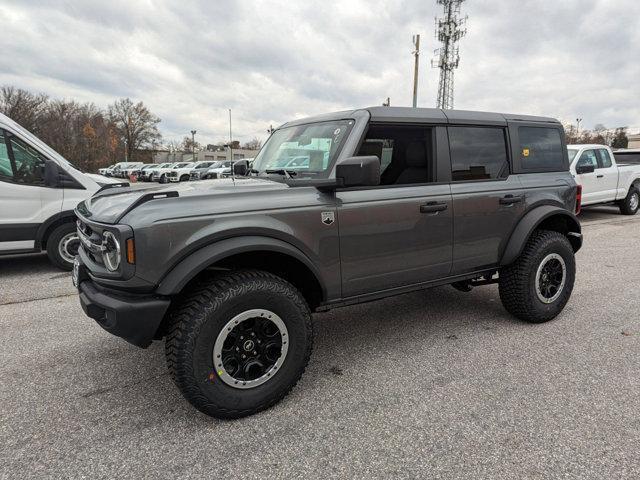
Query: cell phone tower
x=450, y=28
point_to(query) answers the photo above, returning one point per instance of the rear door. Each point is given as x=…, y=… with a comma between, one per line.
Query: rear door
x=487, y=200
x=400, y=232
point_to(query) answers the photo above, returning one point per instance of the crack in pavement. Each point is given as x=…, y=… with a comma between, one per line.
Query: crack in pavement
x=18, y=302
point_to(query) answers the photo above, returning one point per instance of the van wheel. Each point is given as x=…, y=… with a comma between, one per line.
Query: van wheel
x=537, y=286
x=62, y=246
x=629, y=206
x=238, y=342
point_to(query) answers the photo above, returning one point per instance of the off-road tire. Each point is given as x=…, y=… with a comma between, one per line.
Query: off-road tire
x=53, y=242
x=198, y=318
x=517, y=281
x=626, y=204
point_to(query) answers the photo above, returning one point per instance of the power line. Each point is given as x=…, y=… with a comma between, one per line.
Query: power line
x=450, y=28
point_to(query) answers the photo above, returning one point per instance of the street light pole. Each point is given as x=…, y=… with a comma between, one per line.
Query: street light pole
x=126, y=149
x=193, y=144
x=578, y=120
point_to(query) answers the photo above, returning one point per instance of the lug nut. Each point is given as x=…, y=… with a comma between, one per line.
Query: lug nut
x=244, y=356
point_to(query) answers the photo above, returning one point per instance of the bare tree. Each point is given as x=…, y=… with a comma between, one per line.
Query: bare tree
x=136, y=126
x=254, y=144
x=22, y=106
x=188, y=145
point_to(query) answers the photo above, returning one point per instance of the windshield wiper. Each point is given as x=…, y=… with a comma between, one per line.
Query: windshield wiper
x=283, y=172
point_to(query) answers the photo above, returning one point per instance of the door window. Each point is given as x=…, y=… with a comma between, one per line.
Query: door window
x=405, y=153
x=588, y=157
x=604, y=159
x=478, y=153
x=6, y=171
x=541, y=149
x=29, y=163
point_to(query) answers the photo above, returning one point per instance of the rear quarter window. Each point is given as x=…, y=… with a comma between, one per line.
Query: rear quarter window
x=541, y=149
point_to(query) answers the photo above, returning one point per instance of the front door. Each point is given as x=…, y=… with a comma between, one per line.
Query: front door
x=589, y=181
x=400, y=232
x=25, y=201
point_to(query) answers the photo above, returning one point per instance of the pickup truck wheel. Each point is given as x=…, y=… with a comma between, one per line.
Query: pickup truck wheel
x=238, y=343
x=537, y=286
x=629, y=206
x=163, y=178
x=62, y=245
x=184, y=178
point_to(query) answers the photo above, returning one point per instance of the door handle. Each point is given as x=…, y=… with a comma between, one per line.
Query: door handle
x=433, y=207
x=511, y=199
x=599, y=176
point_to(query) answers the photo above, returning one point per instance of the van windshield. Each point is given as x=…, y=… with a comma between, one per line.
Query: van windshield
x=303, y=150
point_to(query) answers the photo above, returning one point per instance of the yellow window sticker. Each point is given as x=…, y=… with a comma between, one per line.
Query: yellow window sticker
x=525, y=152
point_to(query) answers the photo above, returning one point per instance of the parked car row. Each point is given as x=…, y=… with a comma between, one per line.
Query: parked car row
x=171, y=172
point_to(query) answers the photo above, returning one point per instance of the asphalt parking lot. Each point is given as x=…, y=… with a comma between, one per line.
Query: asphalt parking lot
x=435, y=384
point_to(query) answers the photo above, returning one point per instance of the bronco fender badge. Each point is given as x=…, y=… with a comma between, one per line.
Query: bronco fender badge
x=327, y=218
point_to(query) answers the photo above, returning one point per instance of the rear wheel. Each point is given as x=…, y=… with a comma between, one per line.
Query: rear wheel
x=62, y=245
x=238, y=343
x=537, y=286
x=629, y=206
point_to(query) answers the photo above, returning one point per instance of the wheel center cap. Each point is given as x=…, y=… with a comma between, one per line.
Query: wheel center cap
x=248, y=345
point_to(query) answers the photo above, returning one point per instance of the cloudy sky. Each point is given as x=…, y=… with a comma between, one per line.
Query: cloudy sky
x=271, y=61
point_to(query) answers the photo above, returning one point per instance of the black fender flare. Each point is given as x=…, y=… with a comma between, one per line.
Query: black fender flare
x=196, y=262
x=50, y=223
x=530, y=221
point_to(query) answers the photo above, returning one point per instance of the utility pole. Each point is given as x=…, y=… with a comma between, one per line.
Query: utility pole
x=270, y=130
x=416, y=54
x=387, y=103
x=126, y=150
x=230, y=142
x=193, y=144
x=450, y=28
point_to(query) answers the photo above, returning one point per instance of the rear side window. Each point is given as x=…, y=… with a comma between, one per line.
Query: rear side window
x=478, y=153
x=604, y=160
x=540, y=148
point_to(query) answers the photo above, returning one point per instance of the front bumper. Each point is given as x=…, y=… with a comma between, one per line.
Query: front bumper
x=135, y=318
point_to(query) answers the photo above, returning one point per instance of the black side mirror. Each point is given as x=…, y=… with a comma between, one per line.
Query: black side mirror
x=586, y=168
x=358, y=171
x=240, y=168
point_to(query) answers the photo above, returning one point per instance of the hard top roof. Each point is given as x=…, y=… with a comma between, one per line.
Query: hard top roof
x=429, y=115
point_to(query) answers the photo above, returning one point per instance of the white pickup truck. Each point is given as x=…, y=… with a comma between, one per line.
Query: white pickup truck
x=603, y=180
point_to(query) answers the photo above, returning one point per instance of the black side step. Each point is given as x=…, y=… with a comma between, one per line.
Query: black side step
x=146, y=198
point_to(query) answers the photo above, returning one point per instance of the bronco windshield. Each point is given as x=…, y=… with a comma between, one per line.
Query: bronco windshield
x=303, y=150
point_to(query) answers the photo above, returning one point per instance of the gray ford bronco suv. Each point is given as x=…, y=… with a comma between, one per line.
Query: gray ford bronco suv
x=336, y=209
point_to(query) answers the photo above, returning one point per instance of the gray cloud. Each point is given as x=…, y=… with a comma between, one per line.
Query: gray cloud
x=271, y=61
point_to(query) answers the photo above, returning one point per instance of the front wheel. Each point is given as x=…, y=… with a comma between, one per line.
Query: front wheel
x=163, y=178
x=238, y=343
x=184, y=178
x=62, y=246
x=629, y=206
x=537, y=286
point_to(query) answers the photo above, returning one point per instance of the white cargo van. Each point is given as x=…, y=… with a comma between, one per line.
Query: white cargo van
x=38, y=191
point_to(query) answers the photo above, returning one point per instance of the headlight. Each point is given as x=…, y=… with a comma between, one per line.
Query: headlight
x=111, y=253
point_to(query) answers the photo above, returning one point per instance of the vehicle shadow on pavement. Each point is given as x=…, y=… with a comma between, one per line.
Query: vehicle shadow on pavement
x=27, y=264
x=347, y=340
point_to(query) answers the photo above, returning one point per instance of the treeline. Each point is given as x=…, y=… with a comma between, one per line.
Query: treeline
x=87, y=136
x=614, y=137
